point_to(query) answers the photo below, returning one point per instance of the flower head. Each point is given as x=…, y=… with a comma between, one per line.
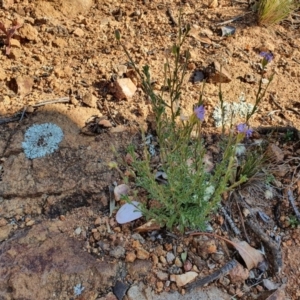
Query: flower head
x=41, y=139
x=200, y=112
x=267, y=57
x=243, y=128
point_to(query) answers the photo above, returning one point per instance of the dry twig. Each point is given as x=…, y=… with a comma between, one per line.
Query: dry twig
x=270, y=244
x=292, y=201
x=53, y=101
x=214, y=276
x=230, y=221
x=233, y=19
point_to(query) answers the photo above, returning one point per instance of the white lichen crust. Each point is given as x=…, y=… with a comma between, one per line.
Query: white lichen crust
x=41, y=139
x=232, y=111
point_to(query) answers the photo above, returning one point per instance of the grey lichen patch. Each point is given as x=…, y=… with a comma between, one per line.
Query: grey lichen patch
x=232, y=111
x=41, y=139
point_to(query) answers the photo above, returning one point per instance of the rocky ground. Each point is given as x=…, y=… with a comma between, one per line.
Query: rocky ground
x=57, y=237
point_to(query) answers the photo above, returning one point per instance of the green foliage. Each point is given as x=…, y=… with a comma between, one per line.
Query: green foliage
x=289, y=136
x=293, y=221
x=271, y=12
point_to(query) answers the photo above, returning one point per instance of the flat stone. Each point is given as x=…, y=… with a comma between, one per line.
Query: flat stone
x=142, y=292
x=52, y=263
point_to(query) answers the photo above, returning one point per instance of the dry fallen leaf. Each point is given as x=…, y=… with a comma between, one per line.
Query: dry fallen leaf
x=251, y=256
x=278, y=294
x=149, y=226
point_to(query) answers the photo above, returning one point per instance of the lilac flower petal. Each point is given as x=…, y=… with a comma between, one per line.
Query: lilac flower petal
x=128, y=212
x=267, y=56
x=243, y=128
x=200, y=112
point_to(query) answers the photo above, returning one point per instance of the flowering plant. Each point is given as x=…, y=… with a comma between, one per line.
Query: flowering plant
x=191, y=190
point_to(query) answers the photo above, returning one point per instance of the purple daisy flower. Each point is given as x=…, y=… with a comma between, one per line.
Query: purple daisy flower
x=200, y=112
x=243, y=128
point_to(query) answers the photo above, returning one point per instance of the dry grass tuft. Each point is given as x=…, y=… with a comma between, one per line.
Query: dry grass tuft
x=271, y=12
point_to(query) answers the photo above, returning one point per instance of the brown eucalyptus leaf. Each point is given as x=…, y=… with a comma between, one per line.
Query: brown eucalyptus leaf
x=151, y=225
x=278, y=294
x=251, y=256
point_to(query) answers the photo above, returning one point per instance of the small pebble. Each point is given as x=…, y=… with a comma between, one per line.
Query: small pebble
x=138, y=237
x=265, y=80
x=162, y=275
x=62, y=217
x=117, y=252
x=78, y=230
x=130, y=257
x=178, y=262
x=142, y=254
x=159, y=286
x=154, y=259
x=187, y=266
x=97, y=221
x=163, y=260
x=168, y=247
x=170, y=257
x=30, y=223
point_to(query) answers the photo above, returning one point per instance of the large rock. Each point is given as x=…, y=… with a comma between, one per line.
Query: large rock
x=44, y=263
x=75, y=175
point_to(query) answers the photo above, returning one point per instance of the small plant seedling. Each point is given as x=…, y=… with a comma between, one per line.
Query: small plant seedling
x=293, y=221
x=9, y=32
x=289, y=136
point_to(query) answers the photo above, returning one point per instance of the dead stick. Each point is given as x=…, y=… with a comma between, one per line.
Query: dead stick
x=275, y=102
x=271, y=245
x=233, y=19
x=214, y=276
x=23, y=113
x=292, y=201
x=52, y=101
x=7, y=120
x=242, y=221
x=230, y=221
